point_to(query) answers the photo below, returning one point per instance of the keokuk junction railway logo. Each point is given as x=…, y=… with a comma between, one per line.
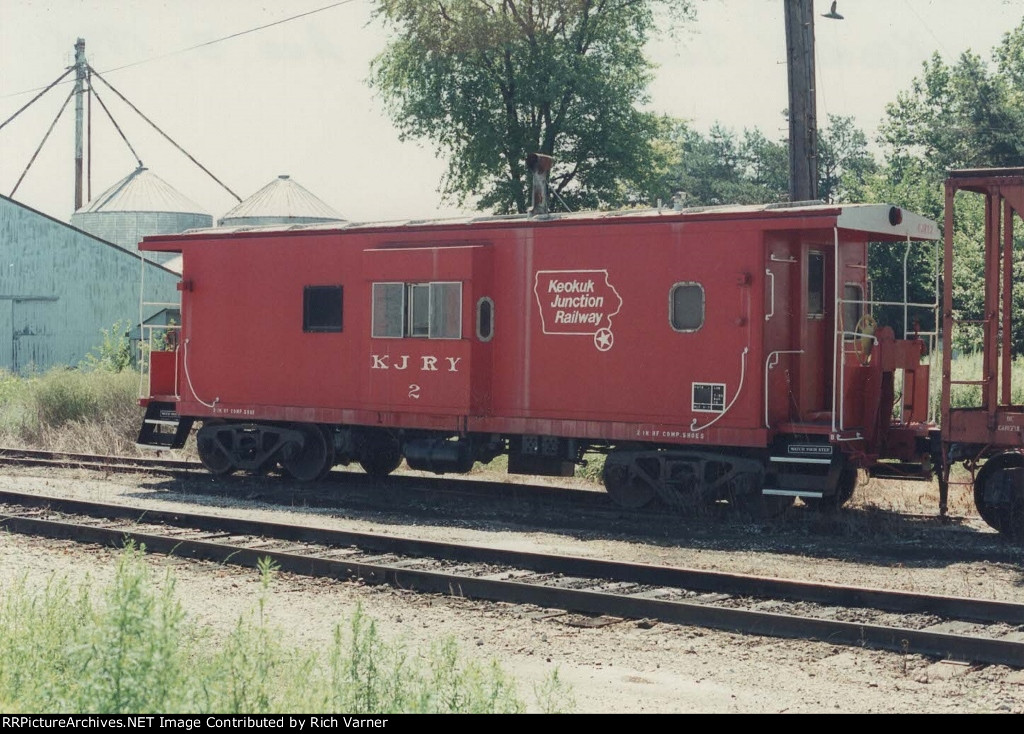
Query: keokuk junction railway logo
x=578, y=303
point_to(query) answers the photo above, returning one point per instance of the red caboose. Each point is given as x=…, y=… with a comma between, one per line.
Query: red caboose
x=718, y=353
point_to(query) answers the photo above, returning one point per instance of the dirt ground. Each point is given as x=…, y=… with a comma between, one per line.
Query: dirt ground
x=623, y=667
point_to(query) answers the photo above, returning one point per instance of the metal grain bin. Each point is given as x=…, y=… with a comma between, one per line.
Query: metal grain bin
x=282, y=201
x=138, y=205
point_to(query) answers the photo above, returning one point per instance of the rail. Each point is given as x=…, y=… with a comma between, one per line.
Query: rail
x=769, y=364
x=155, y=337
x=844, y=337
x=733, y=602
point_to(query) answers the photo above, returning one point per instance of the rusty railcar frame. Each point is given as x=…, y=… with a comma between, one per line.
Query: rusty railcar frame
x=997, y=424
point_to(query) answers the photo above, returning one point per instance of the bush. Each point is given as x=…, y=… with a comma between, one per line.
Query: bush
x=93, y=408
x=113, y=353
x=71, y=410
x=132, y=649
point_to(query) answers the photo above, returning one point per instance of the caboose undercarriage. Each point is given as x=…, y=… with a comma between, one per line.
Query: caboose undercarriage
x=762, y=483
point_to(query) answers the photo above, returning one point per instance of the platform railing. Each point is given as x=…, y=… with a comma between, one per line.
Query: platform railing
x=847, y=339
x=153, y=337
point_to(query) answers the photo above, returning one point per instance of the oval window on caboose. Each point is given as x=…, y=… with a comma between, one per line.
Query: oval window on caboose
x=686, y=306
x=484, y=319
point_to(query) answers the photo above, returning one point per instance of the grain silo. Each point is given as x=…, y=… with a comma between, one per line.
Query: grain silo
x=282, y=201
x=138, y=205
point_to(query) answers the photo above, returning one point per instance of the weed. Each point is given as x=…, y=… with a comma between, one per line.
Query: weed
x=131, y=648
x=113, y=353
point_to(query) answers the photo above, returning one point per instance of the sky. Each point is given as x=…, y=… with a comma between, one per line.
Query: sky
x=292, y=98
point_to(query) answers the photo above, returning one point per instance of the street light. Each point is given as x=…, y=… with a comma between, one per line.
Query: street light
x=832, y=13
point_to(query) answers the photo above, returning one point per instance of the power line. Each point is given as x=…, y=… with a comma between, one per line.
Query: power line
x=117, y=127
x=45, y=89
x=168, y=137
x=198, y=45
x=229, y=37
x=42, y=143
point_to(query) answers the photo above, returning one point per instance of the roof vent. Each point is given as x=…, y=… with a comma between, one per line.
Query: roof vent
x=794, y=204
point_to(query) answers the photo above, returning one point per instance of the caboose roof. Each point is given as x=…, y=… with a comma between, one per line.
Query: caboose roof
x=876, y=220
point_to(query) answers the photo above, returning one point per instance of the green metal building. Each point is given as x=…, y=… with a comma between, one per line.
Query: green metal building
x=60, y=286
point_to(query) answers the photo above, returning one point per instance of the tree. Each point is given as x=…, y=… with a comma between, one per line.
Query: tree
x=488, y=81
x=719, y=168
x=844, y=161
x=723, y=168
x=964, y=115
x=961, y=116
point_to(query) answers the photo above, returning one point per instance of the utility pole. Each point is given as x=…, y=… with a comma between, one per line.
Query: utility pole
x=803, y=118
x=80, y=74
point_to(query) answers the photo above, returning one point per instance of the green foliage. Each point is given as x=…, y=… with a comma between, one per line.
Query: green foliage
x=592, y=469
x=130, y=648
x=34, y=408
x=66, y=652
x=721, y=168
x=725, y=168
x=113, y=353
x=967, y=114
x=489, y=83
x=964, y=115
x=128, y=658
x=94, y=407
x=844, y=161
x=968, y=366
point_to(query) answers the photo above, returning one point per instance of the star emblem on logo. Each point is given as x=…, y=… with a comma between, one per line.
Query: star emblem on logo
x=604, y=339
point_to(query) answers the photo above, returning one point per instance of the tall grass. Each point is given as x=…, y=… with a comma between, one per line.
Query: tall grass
x=71, y=410
x=970, y=367
x=130, y=648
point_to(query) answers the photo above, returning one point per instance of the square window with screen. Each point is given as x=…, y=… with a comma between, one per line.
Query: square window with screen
x=322, y=308
x=445, y=311
x=686, y=306
x=388, y=310
x=423, y=310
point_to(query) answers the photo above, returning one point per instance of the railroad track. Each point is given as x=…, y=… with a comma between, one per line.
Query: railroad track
x=540, y=505
x=30, y=457
x=455, y=485
x=963, y=629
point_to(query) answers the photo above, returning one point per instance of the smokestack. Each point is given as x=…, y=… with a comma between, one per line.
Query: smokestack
x=539, y=165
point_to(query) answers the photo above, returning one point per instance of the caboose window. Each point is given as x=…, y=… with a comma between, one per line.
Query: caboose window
x=419, y=310
x=388, y=310
x=815, y=284
x=686, y=306
x=485, y=319
x=425, y=310
x=321, y=308
x=445, y=310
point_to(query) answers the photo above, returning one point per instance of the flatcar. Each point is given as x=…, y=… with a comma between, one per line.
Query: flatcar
x=720, y=354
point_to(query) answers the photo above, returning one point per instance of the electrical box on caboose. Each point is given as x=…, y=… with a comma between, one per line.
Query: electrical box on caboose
x=723, y=354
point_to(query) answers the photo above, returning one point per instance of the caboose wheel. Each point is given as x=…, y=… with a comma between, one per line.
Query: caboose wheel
x=998, y=496
x=314, y=459
x=213, y=454
x=379, y=453
x=625, y=487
